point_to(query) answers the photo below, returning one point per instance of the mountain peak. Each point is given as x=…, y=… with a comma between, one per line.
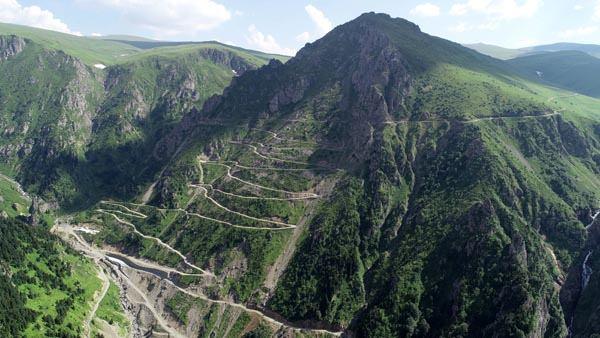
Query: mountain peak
x=379, y=19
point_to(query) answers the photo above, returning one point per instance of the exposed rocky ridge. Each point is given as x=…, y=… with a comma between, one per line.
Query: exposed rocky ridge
x=227, y=58
x=10, y=46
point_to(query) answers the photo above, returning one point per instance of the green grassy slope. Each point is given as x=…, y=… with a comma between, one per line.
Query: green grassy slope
x=90, y=51
x=508, y=53
x=571, y=70
x=119, y=49
x=591, y=49
x=495, y=51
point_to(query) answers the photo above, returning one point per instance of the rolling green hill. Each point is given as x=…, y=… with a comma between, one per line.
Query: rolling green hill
x=593, y=50
x=508, y=53
x=90, y=51
x=495, y=51
x=571, y=70
x=110, y=50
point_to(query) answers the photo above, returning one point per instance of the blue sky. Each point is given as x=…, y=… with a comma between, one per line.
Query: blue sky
x=284, y=26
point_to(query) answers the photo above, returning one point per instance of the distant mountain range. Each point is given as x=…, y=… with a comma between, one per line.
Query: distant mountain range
x=508, y=53
x=570, y=66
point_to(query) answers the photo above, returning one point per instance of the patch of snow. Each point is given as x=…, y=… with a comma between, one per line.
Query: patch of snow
x=539, y=74
x=234, y=72
x=118, y=261
x=86, y=230
x=99, y=66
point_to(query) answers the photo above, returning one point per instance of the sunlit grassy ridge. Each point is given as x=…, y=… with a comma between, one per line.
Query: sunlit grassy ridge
x=109, y=52
x=91, y=51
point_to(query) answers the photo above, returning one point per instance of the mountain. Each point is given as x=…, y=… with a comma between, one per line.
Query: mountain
x=496, y=51
x=571, y=70
x=381, y=183
x=507, y=53
x=384, y=183
x=123, y=37
x=593, y=50
x=88, y=128
x=89, y=51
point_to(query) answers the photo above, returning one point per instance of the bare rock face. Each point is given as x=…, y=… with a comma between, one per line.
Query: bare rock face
x=11, y=46
x=228, y=59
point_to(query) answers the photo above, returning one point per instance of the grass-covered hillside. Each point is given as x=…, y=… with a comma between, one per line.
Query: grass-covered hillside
x=509, y=53
x=116, y=49
x=73, y=131
x=571, y=70
x=90, y=51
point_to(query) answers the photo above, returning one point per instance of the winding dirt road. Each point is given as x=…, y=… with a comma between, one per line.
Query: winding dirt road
x=98, y=299
x=120, y=210
x=305, y=195
x=157, y=240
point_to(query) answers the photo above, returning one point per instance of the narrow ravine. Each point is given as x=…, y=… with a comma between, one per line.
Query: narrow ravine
x=586, y=272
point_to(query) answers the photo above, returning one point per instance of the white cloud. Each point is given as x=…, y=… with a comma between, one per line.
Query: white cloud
x=498, y=9
x=96, y=35
x=426, y=10
x=171, y=17
x=578, y=32
x=265, y=43
x=323, y=24
x=12, y=11
x=303, y=37
x=578, y=7
x=597, y=11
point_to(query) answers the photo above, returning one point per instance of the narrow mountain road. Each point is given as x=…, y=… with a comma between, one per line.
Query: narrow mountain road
x=286, y=227
x=275, y=136
x=594, y=217
x=157, y=240
x=98, y=299
x=550, y=99
x=275, y=159
x=292, y=193
x=205, y=194
x=493, y=118
x=475, y=120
